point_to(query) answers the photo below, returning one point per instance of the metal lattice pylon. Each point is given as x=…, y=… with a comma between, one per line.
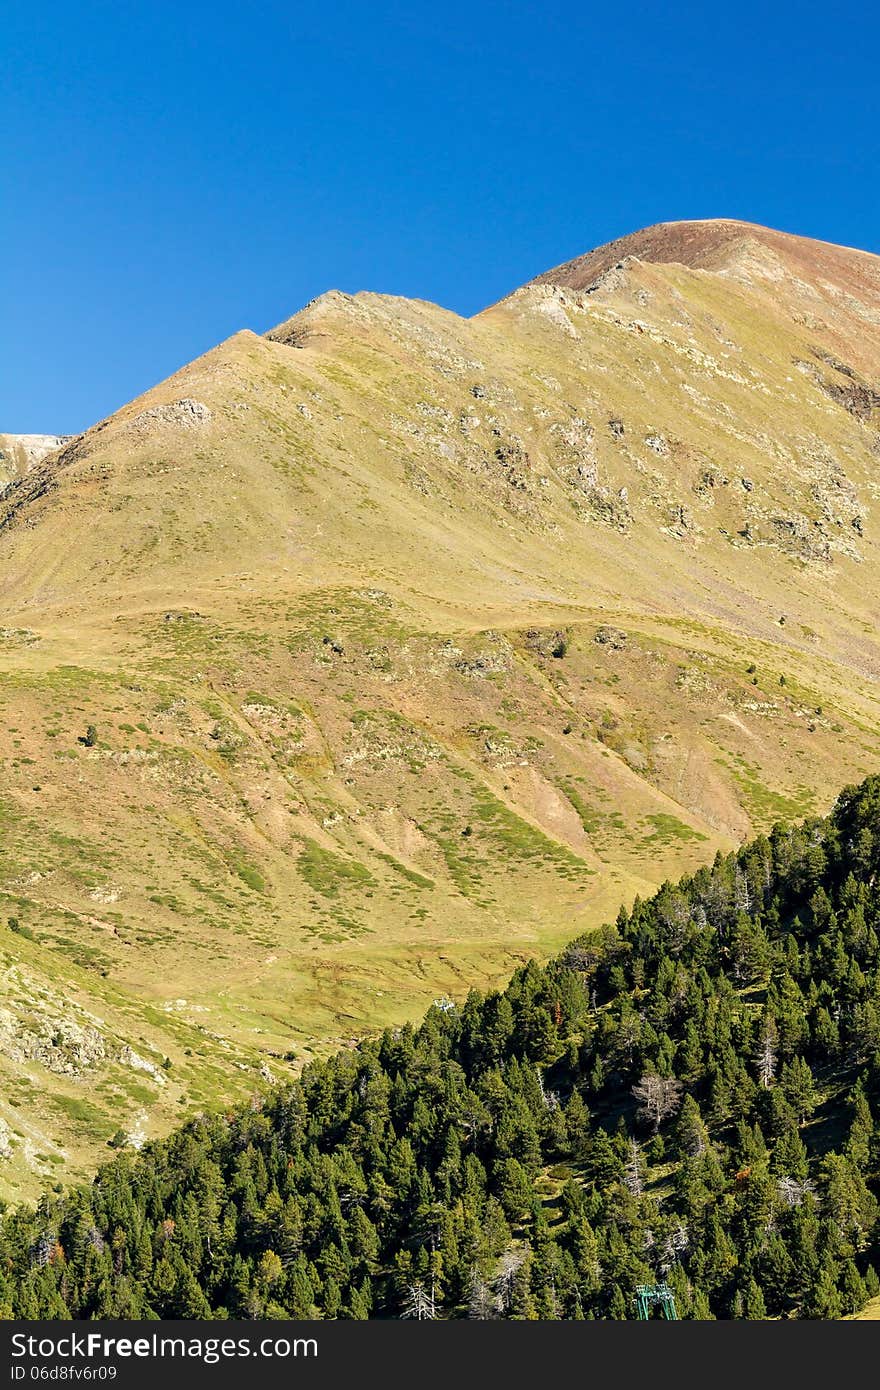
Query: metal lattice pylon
x=651, y=1296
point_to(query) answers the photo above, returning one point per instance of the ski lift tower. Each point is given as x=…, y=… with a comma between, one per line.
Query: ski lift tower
x=650, y=1296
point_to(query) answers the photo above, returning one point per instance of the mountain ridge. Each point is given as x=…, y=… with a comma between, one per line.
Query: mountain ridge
x=411, y=644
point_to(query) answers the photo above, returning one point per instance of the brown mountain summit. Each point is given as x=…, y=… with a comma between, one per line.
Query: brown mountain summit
x=834, y=288
x=717, y=245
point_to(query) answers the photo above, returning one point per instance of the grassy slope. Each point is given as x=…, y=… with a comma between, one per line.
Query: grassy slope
x=870, y=1312
x=339, y=771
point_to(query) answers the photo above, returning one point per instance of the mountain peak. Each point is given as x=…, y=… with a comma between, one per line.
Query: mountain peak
x=716, y=245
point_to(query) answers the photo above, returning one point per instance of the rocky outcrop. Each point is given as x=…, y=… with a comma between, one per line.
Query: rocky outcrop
x=58, y=1044
x=21, y=452
x=187, y=413
x=856, y=396
x=613, y=637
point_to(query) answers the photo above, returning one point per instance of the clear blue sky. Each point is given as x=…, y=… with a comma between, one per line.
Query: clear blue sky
x=174, y=172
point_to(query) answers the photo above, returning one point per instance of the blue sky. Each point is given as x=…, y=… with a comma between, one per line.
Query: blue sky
x=174, y=172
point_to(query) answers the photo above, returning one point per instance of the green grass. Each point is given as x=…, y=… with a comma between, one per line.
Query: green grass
x=767, y=805
x=329, y=873
x=519, y=840
x=251, y=877
x=82, y=1113
x=668, y=828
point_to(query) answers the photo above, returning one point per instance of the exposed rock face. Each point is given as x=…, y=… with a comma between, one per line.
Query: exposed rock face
x=842, y=385
x=61, y=1045
x=186, y=412
x=547, y=642
x=19, y=452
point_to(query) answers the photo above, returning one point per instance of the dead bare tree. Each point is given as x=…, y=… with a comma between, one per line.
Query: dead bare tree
x=658, y=1097
x=512, y=1262
x=481, y=1304
x=794, y=1190
x=765, y=1059
x=674, y=1246
x=419, y=1303
x=741, y=895
x=549, y=1099
x=632, y=1173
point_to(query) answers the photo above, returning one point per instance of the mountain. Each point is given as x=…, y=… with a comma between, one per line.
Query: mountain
x=688, y=1097
x=359, y=662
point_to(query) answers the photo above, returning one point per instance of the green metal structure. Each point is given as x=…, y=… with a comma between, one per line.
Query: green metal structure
x=651, y=1296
